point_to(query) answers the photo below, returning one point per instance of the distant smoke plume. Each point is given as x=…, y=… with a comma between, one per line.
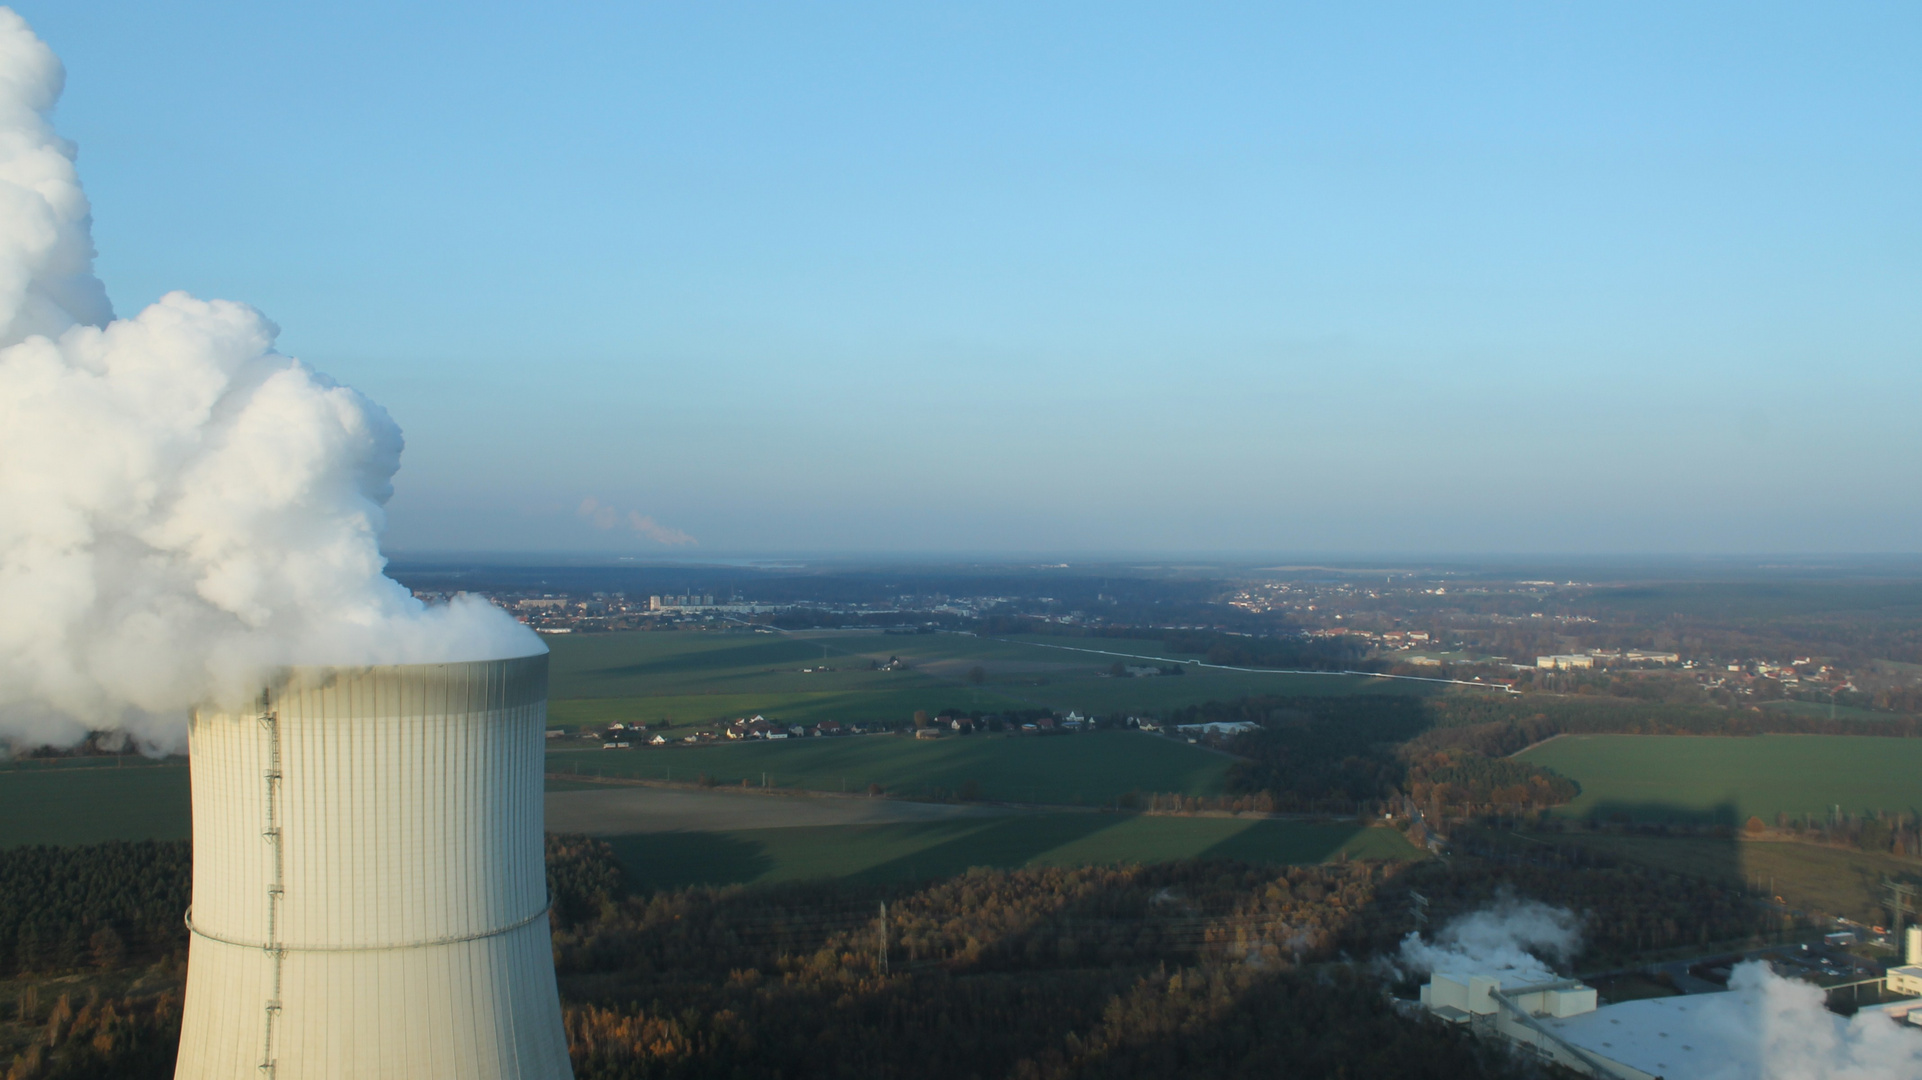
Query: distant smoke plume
x=1513, y=940
x=606, y=517
x=182, y=509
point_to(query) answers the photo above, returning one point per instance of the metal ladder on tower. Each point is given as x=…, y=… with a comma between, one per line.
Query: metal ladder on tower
x=276, y=889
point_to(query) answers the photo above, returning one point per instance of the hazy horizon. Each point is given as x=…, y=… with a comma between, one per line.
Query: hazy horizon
x=1655, y=564
x=703, y=281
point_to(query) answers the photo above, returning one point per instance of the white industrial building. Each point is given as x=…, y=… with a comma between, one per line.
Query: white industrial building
x=1676, y=1038
x=369, y=894
x=1907, y=979
x=1219, y=727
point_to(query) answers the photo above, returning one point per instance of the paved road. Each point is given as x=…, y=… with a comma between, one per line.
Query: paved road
x=620, y=810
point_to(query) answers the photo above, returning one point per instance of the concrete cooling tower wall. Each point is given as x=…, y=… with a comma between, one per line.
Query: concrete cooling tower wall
x=369, y=895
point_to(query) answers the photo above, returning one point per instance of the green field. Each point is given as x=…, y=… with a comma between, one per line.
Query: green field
x=90, y=805
x=83, y=806
x=697, y=679
x=889, y=852
x=1728, y=780
x=1091, y=769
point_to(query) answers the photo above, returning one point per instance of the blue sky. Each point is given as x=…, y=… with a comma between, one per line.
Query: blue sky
x=1097, y=278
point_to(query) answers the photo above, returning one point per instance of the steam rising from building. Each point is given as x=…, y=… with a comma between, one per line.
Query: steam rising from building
x=183, y=510
x=1514, y=940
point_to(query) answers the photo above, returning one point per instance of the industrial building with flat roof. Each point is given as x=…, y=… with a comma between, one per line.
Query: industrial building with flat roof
x=1673, y=1038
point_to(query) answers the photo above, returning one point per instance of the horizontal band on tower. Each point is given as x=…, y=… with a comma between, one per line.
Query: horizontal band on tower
x=276, y=946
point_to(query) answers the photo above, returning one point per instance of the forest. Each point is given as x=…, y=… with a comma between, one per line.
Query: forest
x=104, y=906
x=1200, y=968
x=1344, y=754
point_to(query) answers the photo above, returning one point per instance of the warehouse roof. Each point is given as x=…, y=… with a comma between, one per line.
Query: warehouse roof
x=1675, y=1037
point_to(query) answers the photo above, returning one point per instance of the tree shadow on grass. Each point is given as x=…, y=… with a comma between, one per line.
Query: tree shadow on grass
x=1692, y=840
x=1714, y=844
x=1621, y=828
x=677, y=859
x=1006, y=843
x=1289, y=842
x=1617, y=812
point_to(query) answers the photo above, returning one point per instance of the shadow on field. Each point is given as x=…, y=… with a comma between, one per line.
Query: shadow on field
x=679, y=859
x=1812, y=878
x=1283, y=842
x=1678, y=839
x=1007, y=843
x=1616, y=812
x=1685, y=840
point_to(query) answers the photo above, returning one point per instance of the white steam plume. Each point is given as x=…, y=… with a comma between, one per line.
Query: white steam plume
x=46, y=251
x=1783, y=1032
x=1512, y=940
x=182, y=509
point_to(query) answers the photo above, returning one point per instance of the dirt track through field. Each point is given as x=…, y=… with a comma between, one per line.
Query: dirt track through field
x=624, y=810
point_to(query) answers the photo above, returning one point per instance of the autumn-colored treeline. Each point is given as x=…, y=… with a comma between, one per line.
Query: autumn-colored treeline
x=1462, y=782
x=1201, y=968
x=131, y=1037
x=1194, y=969
x=100, y=910
x=986, y=920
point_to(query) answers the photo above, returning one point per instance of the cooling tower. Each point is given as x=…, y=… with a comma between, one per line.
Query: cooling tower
x=369, y=894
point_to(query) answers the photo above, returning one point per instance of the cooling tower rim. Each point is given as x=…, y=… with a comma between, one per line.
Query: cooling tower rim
x=287, y=672
x=514, y=680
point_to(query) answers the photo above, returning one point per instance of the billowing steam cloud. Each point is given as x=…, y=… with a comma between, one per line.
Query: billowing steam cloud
x=1795, y=1038
x=182, y=509
x=1513, y=940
